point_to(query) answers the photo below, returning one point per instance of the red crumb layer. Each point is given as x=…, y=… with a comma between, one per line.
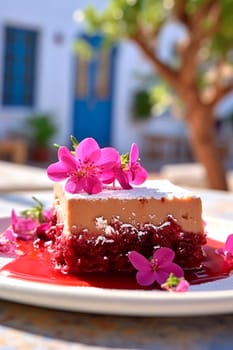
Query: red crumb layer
x=84, y=252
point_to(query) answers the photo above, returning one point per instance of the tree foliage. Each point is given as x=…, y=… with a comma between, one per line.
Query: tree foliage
x=201, y=71
x=208, y=45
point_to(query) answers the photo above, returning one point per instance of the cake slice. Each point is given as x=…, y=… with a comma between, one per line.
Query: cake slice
x=96, y=232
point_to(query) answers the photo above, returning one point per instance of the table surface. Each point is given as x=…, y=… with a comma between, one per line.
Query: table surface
x=19, y=177
x=28, y=327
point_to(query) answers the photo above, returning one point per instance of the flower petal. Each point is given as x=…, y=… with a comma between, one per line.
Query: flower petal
x=63, y=151
x=13, y=219
x=74, y=185
x=66, y=158
x=24, y=228
x=109, y=157
x=88, y=149
x=183, y=286
x=145, y=278
x=48, y=214
x=161, y=276
x=123, y=179
x=8, y=243
x=139, y=174
x=139, y=261
x=228, y=248
x=57, y=171
x=134, y=154
x=107, y=176
x=172, y=268
x=164, y=256
x=61, y=170
x=92, y=185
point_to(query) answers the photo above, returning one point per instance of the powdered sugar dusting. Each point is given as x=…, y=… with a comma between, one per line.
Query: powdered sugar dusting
x=150, y=189
x=102, y=224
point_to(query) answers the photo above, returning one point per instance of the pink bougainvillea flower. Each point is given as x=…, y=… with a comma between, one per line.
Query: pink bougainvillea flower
x=175, y=284
x=8, y=243
x=137, y=173
x=129, y=171
x=24, y=228
x=47, y=215
x=158, y=268
x=183, y=286
x=44, y=227
x=228, y=247
x=86, y=169
x=37, y=212
x=227, y=250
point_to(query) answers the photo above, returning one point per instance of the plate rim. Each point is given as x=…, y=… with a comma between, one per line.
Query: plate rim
x=119, y=302
x=94, y=299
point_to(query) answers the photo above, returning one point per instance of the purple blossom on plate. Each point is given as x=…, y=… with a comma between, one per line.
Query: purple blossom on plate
x=129, y=171
x=47, y=215
x=157, y=269
x=86, y=169
x=23, y=228
x=8, y=243
x=175, y=284
x=228, y=247
x=227, y=250
x=183, y=286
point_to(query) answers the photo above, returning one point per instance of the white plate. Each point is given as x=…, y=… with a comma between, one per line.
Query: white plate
x=209, y=298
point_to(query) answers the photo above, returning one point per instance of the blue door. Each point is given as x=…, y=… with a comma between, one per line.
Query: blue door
x=93, y=93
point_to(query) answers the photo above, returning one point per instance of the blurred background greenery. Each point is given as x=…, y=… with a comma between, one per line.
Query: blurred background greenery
x=199, y=70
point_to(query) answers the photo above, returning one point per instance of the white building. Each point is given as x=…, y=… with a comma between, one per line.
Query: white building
x=46, y=72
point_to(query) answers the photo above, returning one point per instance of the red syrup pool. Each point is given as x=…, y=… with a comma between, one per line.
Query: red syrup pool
x=36, y=265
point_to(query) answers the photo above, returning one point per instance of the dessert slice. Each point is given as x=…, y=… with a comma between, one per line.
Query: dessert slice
x=96, y=232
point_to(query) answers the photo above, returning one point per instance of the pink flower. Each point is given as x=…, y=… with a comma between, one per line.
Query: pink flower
x=228, y=247
x=129, y=170
x=8, y=243
x=182, y=286
x=227, y=250
x=157, y=269
x=24, y=228
x=87, y=169
x=43, y=228
x=47, y=215
x=175, y=284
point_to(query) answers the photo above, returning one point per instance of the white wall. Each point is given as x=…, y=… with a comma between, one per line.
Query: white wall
x=55, y=70
x=130, y=63
x=53, y=92
x=54, y=89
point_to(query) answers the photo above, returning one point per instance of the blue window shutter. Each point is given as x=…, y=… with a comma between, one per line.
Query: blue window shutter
x=19, y=75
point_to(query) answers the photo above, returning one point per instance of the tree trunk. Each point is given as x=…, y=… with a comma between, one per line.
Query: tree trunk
x=200, y=118
x=204, y=145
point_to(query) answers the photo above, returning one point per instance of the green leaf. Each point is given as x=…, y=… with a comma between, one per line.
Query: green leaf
x=35, y=212
x=74, y=142
x=82, y=48
x=124, y=160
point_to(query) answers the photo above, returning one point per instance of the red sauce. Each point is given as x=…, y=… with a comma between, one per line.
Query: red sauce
x=36, y=265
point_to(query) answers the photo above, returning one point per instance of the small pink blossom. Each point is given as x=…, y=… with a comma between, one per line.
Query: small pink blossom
x=158, y=268
x=227, y=250
x=87, y=169
x=31, y=223
x=228, y=247
x=175, y=284
x=8, y=243
x=183, y=286
x=129, y=170
x=44, y=227
x=24, y=228
x=47, y=215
